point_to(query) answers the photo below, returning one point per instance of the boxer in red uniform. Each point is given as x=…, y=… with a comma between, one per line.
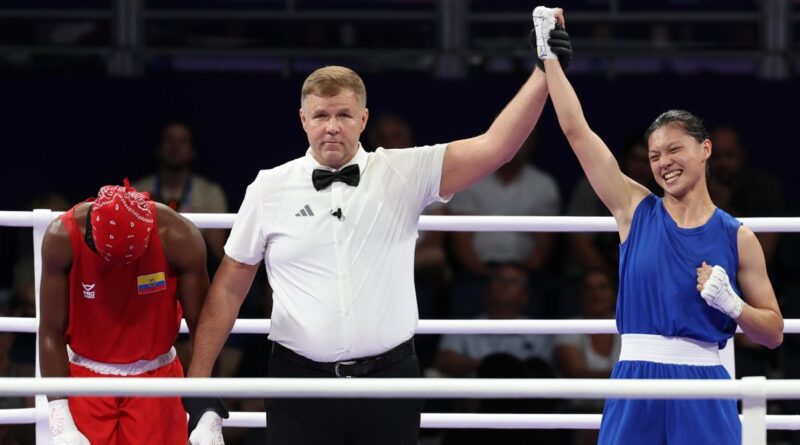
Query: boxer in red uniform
x=118, y=273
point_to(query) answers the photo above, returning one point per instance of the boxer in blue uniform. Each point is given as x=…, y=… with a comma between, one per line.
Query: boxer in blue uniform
x=688, y=274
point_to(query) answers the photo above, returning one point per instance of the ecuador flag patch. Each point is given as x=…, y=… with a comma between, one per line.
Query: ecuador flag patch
x=150, y=283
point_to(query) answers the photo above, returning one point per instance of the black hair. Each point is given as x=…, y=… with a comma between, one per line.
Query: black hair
x=691, y=124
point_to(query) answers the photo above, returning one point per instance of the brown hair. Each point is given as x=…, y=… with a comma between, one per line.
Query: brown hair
x=330, y=80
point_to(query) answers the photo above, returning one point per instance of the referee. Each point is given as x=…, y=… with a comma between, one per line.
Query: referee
x=336, y=229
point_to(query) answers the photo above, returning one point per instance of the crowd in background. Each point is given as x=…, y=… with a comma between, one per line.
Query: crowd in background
x=462, y=275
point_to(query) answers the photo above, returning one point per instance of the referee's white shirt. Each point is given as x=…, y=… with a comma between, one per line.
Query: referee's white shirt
x=342, y=287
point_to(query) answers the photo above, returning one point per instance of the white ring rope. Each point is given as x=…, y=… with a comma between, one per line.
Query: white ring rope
x=503, y=421
x=752, y=391
x=432, y=388
x=240, y=419
x=547, y=421
x=568, y=223
x=262, y=326
x=18, y=324
x=463, y=223
x=17, y=416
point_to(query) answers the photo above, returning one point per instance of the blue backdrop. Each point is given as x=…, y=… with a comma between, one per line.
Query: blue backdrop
x=74, y=134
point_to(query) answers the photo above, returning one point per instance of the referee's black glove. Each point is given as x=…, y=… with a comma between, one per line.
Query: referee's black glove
x=560, y=45
x=196, y=406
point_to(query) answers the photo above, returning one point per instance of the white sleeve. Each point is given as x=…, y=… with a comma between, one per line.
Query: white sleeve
x=247, y=241
x=422, y=169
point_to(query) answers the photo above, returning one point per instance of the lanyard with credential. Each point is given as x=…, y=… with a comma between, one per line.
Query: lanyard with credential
x=175, y=204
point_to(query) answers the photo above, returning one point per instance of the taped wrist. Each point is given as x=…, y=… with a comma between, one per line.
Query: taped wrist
x=719, y=293
x=544, y=21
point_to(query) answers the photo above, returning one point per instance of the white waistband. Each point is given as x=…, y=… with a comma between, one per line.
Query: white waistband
x=668, y=350
x=135, y=368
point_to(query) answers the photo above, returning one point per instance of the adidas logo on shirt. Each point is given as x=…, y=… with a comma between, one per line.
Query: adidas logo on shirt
x=305, y=211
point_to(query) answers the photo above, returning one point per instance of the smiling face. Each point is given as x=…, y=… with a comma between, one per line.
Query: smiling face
x=677, y=159
x=333, y=125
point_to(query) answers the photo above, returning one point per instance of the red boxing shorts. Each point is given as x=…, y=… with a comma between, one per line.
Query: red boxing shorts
x=130, y=420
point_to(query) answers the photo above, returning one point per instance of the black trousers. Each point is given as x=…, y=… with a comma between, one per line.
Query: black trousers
x=342, y=421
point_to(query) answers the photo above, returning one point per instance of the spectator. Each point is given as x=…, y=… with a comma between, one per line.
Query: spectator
x=517, y=188
x=23, y=304
x=745, y=191
x=390, y=131
x=599, y=250
x=13, y=434
x=740, y=188
x=590, y=356
x=23, y=296
x=507, y=366
x=16, y=244
x=461, y=355
x=179, y=187
x=431, y=270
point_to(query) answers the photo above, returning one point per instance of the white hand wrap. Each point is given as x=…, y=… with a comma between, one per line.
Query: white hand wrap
x=208, y=430
x=62, y=427
x=719, y=294
x=544, y=21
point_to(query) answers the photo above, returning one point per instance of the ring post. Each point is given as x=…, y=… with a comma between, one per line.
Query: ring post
x=754, y=410
x=41, y=219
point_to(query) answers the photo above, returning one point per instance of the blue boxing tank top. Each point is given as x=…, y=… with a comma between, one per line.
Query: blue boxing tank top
x=658, y=278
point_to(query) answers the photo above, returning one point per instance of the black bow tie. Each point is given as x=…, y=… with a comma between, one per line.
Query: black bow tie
x=322, y=178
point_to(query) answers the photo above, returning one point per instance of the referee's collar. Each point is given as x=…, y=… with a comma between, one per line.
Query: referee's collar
x=360, y=158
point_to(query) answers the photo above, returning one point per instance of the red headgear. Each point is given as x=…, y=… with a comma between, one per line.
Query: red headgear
x=121, y=223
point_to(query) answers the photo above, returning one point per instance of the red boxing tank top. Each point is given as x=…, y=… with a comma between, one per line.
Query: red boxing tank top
x=120, y=313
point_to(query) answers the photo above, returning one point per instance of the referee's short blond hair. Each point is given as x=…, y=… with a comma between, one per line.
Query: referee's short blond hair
x=330, y=80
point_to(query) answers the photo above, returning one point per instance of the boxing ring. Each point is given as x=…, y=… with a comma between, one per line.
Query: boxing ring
x=753, y=391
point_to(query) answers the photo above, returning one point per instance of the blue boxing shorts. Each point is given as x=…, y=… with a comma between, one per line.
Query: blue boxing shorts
x=669, y=421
